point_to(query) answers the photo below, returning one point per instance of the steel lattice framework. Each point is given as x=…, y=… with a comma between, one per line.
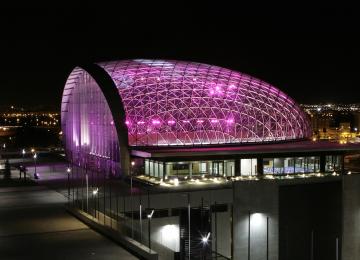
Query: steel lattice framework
x=175, y=103
x=187, y=103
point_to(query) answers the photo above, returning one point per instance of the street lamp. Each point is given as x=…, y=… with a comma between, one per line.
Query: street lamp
x=205, y=239
x=36, y=176
x=23, y=152
x=68, y=170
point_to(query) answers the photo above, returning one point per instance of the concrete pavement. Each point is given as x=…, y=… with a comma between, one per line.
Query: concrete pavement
x=35, y=225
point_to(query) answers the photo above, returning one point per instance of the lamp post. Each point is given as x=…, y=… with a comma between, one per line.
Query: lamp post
x=35, y=173
x=68, y=170
x=23, y=152
x=131, y=198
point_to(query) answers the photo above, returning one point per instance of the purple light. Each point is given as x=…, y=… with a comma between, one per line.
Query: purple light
x=207, y=104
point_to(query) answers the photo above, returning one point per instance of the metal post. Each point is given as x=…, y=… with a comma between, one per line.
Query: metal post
x=267, y=238
x=216, y=244
x=87, y=192
x=189, y=228
x=110, y=204
x=35, y=164
x=68, y=179
x=140, y=219
x=249, y=248
x=149, y=218
x=312, y=245
x=132, y=205
x=337, y=248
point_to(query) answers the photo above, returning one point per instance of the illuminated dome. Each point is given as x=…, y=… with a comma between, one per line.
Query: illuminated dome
x=174, y=103
x=187, y=103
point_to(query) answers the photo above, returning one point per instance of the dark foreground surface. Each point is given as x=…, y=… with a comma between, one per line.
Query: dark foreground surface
x=35, y=225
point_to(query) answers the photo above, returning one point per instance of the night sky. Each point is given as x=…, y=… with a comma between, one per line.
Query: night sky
x=310, y=53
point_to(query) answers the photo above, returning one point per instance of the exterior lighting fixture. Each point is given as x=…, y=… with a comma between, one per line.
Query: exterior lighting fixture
x=68, y=170
x=23, y=152
x=334, y=174
x=349, y=173
x=176, y=182
x=32, y=150
x=149, y=216
x=314, y=139
x=205, y=239
x=95, y=191
x=132, y=163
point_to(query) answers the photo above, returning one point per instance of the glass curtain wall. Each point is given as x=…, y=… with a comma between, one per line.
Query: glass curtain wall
x=333, y=163
x=291, y=165
x=195, y=168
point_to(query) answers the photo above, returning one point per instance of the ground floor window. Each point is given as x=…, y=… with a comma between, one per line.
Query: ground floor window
x=333, y=163
x=154, y=168
x=198, y=168
x=248, y=167
x=291, y=165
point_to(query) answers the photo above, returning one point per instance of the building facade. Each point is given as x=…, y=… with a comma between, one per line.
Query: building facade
x=161, y=150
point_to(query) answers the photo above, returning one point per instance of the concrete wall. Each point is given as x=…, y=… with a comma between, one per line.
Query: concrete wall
x=223, y=235
x=255, y=202
x=351, y=218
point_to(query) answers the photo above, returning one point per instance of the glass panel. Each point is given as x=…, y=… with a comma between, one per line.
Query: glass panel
x=161, y=170
x=299, y=165
x=151, y=167
x=245, y=167
x=268, y=165
x=203, y=167
x=230, y=168
x=147, y=170
x=289, y=165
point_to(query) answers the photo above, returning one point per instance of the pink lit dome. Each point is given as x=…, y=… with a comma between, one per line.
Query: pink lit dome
x=186, y=103
x=177, y=103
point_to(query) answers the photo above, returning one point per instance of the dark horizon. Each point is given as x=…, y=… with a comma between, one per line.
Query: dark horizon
x=313, y=57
